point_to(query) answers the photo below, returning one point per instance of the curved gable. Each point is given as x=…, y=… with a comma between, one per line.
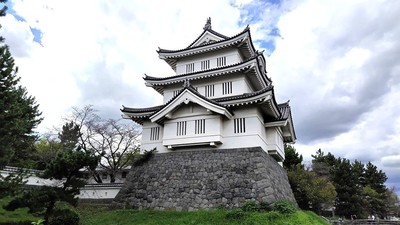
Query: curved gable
x=186, y=97
x=206, y=37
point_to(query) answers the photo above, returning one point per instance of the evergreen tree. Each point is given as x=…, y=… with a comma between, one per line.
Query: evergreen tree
x=375, y=190
x=19, y=113
x=359, y=172
x=292, y=158
x=348, y=200
x=66, y=167
x=374, y=178
x=69, y=136
x=310, y=191
x=322, y=164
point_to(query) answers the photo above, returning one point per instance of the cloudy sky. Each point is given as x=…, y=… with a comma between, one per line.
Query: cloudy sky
x=338, y=61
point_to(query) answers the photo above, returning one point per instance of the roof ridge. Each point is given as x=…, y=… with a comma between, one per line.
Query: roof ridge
x=245, y=95
x=140, y=109
x=161, y=50
x=201, y=71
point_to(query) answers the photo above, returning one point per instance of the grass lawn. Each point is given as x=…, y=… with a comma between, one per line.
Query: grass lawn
x=94, y=215
x=18, y=215
x=98, y=216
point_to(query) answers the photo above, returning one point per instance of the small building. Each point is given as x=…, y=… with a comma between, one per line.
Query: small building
x=220, y=96
x=92, y=192
x=104, y=192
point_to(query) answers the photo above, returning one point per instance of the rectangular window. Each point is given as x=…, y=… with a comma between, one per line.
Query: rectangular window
x=209, y=90
x=104, y=176
x=227, y=88
x=200, y=126
x=221, y=61
x=181, y=128
x=176, y=92
x=239, y=125
x=205, y=65
x=154, y=133
x=189, y=67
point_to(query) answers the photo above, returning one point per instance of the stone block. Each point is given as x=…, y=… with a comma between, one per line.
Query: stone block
x=191, y=180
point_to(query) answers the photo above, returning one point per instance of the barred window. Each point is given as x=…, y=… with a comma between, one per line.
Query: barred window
x=227, y=88
x=154, y=133
x=189, y=67
x=221, y=61
x=205, y=64
x=181, y=128
x=239, y=125
x=209, y=90
x=200, y=126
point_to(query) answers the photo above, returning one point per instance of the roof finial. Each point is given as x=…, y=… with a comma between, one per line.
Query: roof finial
x=208, y=24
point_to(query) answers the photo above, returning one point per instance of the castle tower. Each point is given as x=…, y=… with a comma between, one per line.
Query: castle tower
x=219, y=133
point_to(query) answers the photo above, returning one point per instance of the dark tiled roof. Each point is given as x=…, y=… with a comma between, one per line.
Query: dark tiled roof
x=140, y=110
x=284, y=108
x=211, y=31
x=245, y=95
x=160, y=50
x=287, y=113
x=216, y=101
x=104, y=185
x=195, y=92
x=200, y=71
x=152, y=110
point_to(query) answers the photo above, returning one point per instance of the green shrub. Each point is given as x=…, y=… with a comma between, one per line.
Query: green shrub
x=235, y=214
x=264, y=206
x=250, y=206
x=146, y=156
x=284, y=207
x=64, y=213
x=64, y=216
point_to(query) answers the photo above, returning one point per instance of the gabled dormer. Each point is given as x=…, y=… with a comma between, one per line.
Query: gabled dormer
x=210, y=50
x=208, y=36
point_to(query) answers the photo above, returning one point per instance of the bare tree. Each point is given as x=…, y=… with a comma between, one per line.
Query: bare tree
x=115, y=141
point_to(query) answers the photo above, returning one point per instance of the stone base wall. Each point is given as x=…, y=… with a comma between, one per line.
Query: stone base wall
x=190, y=180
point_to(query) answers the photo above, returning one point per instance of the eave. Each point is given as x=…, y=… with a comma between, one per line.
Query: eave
x=242, y=41
x=250, y=67
x=187, y=95
x=212, y=32
x=265, y=97
x=285, y=122
x=139, y=115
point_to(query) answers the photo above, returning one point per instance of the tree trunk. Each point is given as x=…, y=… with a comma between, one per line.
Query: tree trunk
x=49, y=211
x=97, y=178
x=112, y=177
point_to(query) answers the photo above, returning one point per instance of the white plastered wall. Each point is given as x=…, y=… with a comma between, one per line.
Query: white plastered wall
x=219, y=129
x=94, y=192
x=232, y=57
x=240, y=85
